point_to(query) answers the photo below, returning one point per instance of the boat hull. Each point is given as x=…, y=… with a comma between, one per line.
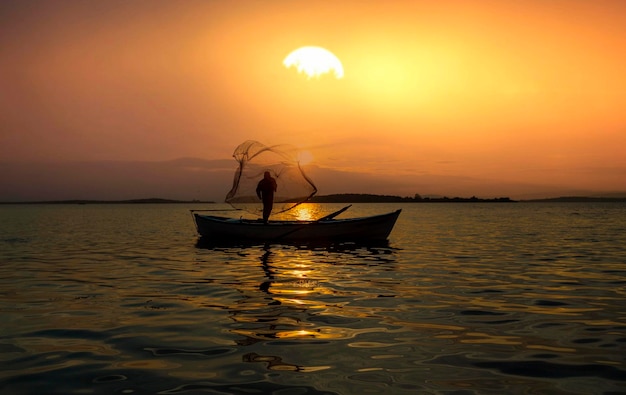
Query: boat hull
x=376, y=227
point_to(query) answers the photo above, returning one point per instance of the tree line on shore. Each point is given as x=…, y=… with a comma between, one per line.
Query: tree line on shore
x=352, y=198
x=369, y=198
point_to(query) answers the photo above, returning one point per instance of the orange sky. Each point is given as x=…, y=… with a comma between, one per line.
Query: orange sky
x=529, y=92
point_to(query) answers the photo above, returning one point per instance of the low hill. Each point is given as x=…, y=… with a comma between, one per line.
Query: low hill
x=369, y=198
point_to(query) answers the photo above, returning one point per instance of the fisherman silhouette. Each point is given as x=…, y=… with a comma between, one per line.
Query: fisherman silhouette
x=265, y=191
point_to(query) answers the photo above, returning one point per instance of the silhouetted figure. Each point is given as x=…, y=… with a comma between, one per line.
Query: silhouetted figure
x=265, y=191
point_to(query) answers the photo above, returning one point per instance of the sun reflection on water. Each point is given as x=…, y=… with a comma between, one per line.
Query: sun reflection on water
x=290, y=292
x=307, y=212
x=304, y=213
x=290, y=302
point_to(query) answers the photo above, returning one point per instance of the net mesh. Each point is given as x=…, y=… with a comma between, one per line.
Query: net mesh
x=281, y=161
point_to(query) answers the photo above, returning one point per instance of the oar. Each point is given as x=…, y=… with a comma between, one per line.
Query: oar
x=329, y=216
x=224, y=209
x=333, y=215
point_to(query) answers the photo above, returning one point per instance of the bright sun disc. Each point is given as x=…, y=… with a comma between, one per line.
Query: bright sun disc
x=305, y=157
x=314, y=61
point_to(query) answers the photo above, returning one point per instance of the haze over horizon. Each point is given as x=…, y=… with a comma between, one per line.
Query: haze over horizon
x=209, y=180
x=121, y=100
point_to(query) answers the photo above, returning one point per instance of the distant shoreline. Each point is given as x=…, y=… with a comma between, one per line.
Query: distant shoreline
x=347, y=198
x=369, y=198
x=366, y=198
x=128, y=201
x=577, y=199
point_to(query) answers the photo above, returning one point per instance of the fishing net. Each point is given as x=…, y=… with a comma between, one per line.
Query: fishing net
x=281, y=161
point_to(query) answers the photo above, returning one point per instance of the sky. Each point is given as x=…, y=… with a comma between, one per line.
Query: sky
x=472, y=98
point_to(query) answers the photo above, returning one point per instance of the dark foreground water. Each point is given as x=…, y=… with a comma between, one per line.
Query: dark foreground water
x=464, y=299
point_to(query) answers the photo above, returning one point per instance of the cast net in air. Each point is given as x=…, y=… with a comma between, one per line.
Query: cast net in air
x=254, y=158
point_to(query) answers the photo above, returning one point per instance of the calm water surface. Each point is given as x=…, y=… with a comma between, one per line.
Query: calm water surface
x=464, y=299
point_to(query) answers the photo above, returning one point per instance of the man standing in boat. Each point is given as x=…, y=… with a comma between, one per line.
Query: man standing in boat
x=265, y=191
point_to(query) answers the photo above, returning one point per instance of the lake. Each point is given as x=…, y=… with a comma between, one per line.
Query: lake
x=465, y=298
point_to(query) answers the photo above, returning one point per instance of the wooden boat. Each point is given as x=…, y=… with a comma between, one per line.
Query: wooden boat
x=371, y=228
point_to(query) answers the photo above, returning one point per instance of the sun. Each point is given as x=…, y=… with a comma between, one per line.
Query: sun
x=305, y=157
x=314, y=61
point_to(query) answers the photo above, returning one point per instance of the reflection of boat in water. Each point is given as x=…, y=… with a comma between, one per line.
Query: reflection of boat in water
x=298, y=295
x=285, y=302
x=375, y=227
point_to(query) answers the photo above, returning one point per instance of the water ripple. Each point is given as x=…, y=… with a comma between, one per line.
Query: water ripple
x=466, y=299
